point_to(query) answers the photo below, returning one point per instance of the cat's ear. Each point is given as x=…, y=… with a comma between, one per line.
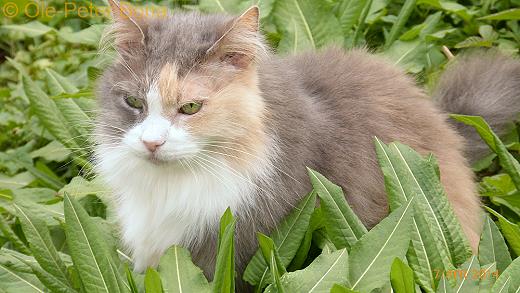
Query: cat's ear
x=128, y=26
x=242, y=43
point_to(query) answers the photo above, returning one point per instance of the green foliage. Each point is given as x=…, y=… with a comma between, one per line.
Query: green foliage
x=56, y=233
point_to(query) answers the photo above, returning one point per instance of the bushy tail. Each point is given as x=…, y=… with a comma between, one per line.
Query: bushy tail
x=484, y=84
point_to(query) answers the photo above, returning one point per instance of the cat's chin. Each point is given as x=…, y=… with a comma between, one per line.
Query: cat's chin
x=158, y=160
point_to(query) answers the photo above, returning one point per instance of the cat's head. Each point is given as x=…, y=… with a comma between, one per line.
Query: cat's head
x=183, y=86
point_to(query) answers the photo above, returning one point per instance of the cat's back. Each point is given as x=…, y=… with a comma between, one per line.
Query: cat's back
x=334, y=72
x=335, y=102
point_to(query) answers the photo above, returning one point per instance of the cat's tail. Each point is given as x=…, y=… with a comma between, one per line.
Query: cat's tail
x=483, y=84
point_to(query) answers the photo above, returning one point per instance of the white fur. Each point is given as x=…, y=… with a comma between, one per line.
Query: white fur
x=161, y=204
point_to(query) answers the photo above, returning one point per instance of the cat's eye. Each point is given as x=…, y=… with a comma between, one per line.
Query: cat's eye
x=134, y=102
x=190, y=108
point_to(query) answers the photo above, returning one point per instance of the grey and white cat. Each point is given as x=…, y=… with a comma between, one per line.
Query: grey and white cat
x=196, y=116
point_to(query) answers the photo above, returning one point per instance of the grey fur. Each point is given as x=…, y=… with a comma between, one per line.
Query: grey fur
x=324, y=110
x=481, y=83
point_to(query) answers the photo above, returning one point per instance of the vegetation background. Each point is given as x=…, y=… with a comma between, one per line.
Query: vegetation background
x=57, y=231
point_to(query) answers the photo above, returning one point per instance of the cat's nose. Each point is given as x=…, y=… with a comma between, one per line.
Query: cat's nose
x=153, y=145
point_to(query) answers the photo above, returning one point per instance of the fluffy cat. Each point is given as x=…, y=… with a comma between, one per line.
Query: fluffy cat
x=196, y=116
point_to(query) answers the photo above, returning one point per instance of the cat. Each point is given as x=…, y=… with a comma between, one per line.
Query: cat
x=197, y=115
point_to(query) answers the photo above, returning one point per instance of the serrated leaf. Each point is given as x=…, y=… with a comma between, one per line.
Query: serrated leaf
x=492, y=247
x=287, y=238
x=348, y=13
x=89, y=250
x=48, y=113
x=467, y=276
x=50, y=281
x=58, y=84
x=179, y=274
x=444, y=286
x=343, y=226
x=372, y=256
x=325, y=271
x=41, y=245
x=509, y=280
x=487, y=278
x=428, y=251
x=13, y=278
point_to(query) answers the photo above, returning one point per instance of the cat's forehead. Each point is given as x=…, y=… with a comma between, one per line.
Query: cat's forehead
x=183, y=38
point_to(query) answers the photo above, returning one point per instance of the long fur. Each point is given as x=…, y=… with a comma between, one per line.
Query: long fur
x=263, y=120
x=481, y=83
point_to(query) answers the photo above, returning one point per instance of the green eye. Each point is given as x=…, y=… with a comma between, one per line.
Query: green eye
x=134, y=102
x=190, y=108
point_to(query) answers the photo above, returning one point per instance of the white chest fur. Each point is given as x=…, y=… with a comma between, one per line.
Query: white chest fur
x=162, y=205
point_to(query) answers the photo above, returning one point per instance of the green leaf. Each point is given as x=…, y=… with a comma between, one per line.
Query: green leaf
x=372, y=256
x=487, y=278
x=466, y=279
x=429, y=248
x=267, y=246
x=91, y=36
x=179, y=274
x=16, y=281
x=287, y=238
x=325, y=271
x=53, y=151
x=342, y=225
x=444, y=286
x=305, y=24
x=18, y=181
x=15, y=276
x=58, y=84
x=224, y=6
x=276, y=268
x=41, y=245
x=274, y=265
x=30, y=30
x=48, y=113
x=13, y=238
x=337, y=288
x=510, y=231
x=474, y=42
x=89, y=250
x=131, y=281
x=401, y=277
x=507, y=161
x=402, y=18
x=224, y=280
x=511, y=14
x=78, y=120
x=152, y=282
x=492, y=247
x=348, y=13
x=315, y=223
x=50, y=281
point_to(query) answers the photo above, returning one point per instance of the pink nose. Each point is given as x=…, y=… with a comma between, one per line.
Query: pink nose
x=153, y=145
